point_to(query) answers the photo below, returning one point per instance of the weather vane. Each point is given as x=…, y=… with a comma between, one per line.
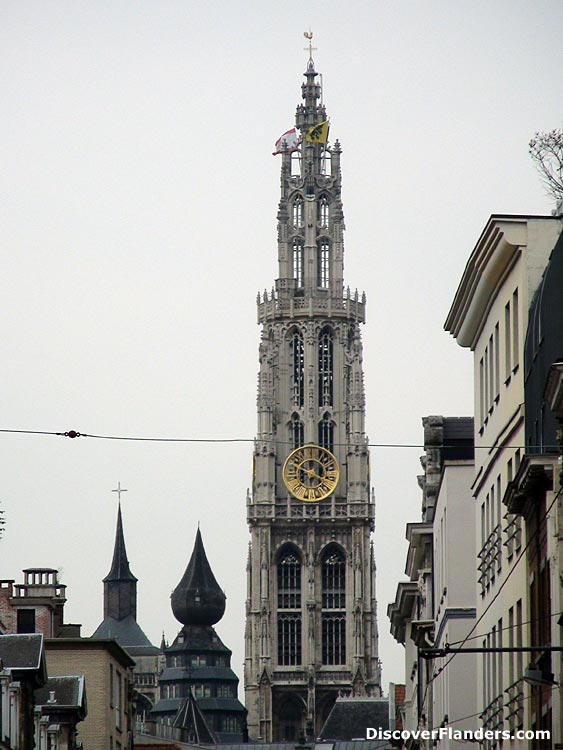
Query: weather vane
x=119, y=491
x=309, y=35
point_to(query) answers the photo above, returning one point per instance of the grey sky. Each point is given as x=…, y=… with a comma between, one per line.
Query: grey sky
x=139, y=200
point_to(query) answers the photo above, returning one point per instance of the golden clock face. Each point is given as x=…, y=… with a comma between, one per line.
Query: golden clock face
x=311, y=473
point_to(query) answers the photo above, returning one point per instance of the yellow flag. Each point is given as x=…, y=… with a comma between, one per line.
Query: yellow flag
x=318, y=133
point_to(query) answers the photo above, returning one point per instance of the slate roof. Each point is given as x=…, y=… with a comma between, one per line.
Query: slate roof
x=198, y=598
x=21, y=651
x=190, y=719
x=68, y=693
x=349, y=718
x=195, y=674
x=198, y=639
x=128, y=633
x=120, y=570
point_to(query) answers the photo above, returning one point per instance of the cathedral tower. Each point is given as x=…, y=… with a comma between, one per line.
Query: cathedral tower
x=311, y=628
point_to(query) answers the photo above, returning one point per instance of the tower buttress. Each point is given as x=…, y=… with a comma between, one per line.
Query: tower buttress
x=311, y=628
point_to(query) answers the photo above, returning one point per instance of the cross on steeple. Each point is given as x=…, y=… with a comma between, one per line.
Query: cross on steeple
x=309, y=35
x=119, y=490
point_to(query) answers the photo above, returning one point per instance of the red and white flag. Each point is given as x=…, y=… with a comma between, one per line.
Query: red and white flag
x=291, y=140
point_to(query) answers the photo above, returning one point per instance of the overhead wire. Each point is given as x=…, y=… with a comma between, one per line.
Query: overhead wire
x=140, y=438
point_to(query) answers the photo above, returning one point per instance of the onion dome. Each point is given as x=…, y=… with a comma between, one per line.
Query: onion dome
x=198, y=599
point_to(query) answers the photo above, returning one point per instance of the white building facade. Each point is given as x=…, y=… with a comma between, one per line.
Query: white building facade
x=489, y=315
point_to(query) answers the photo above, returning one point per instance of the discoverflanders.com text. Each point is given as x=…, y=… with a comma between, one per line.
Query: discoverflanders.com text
x=449, y=733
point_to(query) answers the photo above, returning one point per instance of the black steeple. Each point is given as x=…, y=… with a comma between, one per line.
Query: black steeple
x=198, y=599
x=120, y=602
x=120, y=585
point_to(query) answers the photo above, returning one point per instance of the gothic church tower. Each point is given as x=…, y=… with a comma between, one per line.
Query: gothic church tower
x=311, y=628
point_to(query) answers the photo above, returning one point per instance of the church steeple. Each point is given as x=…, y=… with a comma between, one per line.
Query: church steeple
x=120, y=585
x=198, y=598
x=311, y=512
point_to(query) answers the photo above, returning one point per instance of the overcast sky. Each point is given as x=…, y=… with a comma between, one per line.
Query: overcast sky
x=138, y=221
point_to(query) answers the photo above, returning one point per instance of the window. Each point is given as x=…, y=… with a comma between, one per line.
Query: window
x=298, y=368
x=225, y=691
x=326, y=433
x=26, y=621
x=230, y=724
x=323, y=264
x=297, y=255
x=482, y=410
x=297, y=435
x=325, y=367
x=323, y=212
x=200, y=691
x=289, y=581
x=497, y=361
x=507, y=341
x=117, y=691
x=334, y=639
x=298, y=212
x=289, y=640
x=491, y=374
x=515, y=331
x=333, y=617
x=198, y=661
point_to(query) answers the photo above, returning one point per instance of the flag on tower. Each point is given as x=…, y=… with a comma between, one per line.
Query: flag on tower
x=318, y=133
x=291, y=141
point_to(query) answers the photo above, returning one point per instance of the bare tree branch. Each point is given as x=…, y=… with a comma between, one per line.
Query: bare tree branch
x=546, y=150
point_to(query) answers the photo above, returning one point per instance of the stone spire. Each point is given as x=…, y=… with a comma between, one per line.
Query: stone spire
x=120, y=585
x=198, y=598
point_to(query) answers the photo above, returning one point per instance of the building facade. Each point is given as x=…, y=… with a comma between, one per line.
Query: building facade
x=108, y=677
x=490, y=316
x=311, y=627
x=436, y=605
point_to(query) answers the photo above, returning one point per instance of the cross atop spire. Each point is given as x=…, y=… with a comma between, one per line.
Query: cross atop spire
x=119, y=490
x=309, y=35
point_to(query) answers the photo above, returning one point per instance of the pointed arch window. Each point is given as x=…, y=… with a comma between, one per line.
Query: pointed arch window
x=298, y=212
x=298, y=368
x=323, y=264
x=323, y=212
x=289, y=581
x=297, y=254
x=326, y=367
x=289, y=598
x=326, y=433
x=297, y=437
x=333, y=616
